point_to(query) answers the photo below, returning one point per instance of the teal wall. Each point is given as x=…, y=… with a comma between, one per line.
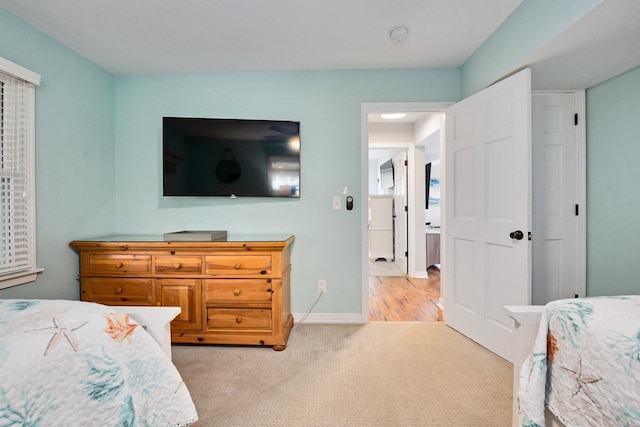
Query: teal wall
x=328, y=105
x=613, y=178
x=75, y=156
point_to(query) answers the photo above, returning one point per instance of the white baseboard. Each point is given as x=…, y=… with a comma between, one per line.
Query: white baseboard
x=328, y=318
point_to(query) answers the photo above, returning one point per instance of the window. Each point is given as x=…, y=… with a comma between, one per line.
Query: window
x=17, y=183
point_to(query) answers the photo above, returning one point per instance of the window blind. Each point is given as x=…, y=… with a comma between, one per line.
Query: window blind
x=16, y=128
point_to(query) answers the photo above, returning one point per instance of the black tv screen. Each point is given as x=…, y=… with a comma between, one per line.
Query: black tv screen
x=230, y=157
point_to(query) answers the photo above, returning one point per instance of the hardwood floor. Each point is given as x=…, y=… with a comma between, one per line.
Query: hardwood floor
x=403, y=298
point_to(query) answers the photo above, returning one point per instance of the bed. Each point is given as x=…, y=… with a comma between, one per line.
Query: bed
x=79, y=363
x=577, y=362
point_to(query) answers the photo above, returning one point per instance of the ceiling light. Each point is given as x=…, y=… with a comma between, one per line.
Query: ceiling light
x=392, y=116
x=399, y=34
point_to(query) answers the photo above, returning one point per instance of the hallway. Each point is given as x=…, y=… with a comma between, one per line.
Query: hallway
x=403, y=298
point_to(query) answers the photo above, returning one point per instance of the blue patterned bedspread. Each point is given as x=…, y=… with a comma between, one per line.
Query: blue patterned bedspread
x=72, y=363
x=585, y=364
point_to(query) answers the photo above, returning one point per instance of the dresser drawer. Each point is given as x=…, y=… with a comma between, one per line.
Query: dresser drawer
x=238, y=265
x=116, y=289
x=241, y=318
x=119, y=264
x=238, y=291
x=178, y=265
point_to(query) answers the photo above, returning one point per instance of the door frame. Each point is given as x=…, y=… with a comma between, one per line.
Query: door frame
x=366, y=108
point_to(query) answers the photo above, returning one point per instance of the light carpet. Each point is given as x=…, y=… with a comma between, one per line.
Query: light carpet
x=378, y=374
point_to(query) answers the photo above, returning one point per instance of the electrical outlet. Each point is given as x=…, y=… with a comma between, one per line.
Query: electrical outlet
x=322, y=286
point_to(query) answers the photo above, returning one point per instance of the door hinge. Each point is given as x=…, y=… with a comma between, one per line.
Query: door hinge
x=575, y=119
x=406, y=162
x=406, y=254
x=529, y=236
x=577, y=210
x=406, y=208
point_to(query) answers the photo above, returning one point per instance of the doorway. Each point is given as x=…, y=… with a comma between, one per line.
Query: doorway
x=409, y=287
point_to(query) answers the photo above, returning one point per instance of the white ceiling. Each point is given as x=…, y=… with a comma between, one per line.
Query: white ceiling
x=137, y=37
x=128, y=37
x=134, y=37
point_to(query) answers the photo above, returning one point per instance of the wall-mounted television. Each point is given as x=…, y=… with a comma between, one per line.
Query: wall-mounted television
x=230, y=157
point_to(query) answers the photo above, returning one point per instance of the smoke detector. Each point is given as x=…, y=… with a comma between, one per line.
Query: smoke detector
x=398, y=35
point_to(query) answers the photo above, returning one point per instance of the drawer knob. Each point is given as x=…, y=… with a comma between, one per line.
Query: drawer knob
x=176, y=265
x=238, y=319
x=159, y=304
x=236, y=292
x=118, y=290
x=118, y=264
x=237, y=266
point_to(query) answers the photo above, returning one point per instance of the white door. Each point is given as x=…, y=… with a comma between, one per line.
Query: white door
x=556, y=208
x=400, y=213
x=487, y=201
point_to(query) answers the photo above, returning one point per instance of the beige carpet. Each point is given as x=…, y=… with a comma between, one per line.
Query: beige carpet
x=379, y=374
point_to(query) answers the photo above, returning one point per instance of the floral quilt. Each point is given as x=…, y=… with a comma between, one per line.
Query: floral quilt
x=585, y=364
x=65, y=363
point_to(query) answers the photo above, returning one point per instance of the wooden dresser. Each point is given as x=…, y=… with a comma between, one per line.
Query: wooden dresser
x=231, y=292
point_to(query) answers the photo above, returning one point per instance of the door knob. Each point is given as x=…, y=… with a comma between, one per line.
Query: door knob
x=518, y=235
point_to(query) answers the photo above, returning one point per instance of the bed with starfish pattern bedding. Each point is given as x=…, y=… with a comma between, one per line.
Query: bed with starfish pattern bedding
x=72, y=363
x=585, y=364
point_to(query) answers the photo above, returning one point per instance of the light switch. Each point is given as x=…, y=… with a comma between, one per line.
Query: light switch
x=336, y=203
